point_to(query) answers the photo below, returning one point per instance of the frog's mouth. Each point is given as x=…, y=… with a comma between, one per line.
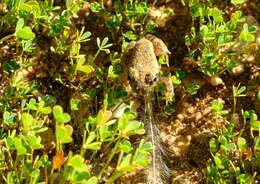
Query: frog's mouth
x=145, y=86
x=150, y=80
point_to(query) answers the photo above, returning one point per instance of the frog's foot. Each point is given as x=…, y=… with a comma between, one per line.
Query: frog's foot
x=169, y=92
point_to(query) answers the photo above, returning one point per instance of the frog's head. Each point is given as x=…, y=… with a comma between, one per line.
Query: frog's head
x=142, y=82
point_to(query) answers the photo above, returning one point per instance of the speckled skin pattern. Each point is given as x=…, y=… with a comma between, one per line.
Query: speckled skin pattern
x=143, y=68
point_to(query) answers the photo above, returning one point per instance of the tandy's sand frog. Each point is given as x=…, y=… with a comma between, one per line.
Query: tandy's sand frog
x=141, y=62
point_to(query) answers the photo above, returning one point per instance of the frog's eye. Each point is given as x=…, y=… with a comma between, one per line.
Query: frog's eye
x=149, y=79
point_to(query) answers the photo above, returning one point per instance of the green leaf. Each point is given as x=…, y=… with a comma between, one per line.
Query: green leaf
x=25, y=33
x=150, y=26
x=141, y=8
x=84, y=36
x=89, y=144
x=126, y=147
x=125, y=164
x=129, y=127
x=69, y=4
x=130, y=35
x=87, y=69
x=93, y=146
x=59, y=116
x=255, y=125
x=141, y=154
x=100, y=117
x=30, y=6
x=257, y=144
x=235, y=17
x=213, y=145
x=175, y=80
x=44, y=110
x=96, y=7
x=241, y=90
x=145, y=146
x=111, y=72
x=237, y=2
x=91, y=137
x=92, y=180
x=104, y=43
x=19, y=25
x=10, y=66
x=21, y=150
x=34, y=141
x=141, y=159
x=77, y=162
x=114, y=22
x=83, y=68
x=243, y=179
x=8, y=117
x=258, y=95
x=63, y=134
x=134, y=127
x=104, y=132
x=216, y=14
x=218, y=162
x=27, y=121
x=74, y=104
x=241, y=142
x=245, y=35
x=32, y=105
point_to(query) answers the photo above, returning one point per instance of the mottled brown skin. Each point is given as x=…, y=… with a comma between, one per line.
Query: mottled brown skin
x=143, y=68
x=141, y=62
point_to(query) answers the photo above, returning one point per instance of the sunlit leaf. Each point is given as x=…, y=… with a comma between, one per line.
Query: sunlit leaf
x=218, y=162
x=241, y=142
x=77, y=162
x=92, y=180
x=59, y=116
x=21, y=150
x=237, y=2
x=27, y=121
x=63, y=134
x=25, y=33
x=34, y=141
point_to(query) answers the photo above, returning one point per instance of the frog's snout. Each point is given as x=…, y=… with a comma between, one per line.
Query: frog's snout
x=150, y=80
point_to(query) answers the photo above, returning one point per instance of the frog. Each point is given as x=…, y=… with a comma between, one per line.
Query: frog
x=141, y=65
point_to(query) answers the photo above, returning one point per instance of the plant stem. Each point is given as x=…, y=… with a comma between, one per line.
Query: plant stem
x=82, y=150
x=114, y=177
x=111, y=155
x=51, y=177
x=6, y=38
x=97, y=53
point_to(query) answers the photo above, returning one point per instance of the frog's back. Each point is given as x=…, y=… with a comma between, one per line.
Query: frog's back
x=143, y=56
x=142, y=63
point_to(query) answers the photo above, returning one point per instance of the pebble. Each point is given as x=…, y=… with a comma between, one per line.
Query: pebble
x=186, y=104
x=180, y=180
x=191, y=110
x=250, y=58
x=237, y=70
x=206, y=111
x=179, y=144
x=180, y=117
x=216, y=81
x=198, y=116
x=221, y=100
x=258, y=40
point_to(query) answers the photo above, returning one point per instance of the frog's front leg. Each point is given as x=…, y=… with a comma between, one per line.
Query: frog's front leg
x=160, y=48
x=169, y=89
